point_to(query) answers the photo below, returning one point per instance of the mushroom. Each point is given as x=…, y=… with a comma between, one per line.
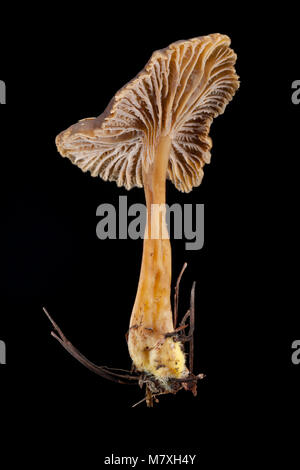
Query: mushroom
x=156, y=128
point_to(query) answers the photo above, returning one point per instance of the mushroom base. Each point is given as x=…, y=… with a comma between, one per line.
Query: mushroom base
x=156, y=355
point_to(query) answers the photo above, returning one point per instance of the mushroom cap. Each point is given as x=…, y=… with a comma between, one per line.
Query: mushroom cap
x=178, y=93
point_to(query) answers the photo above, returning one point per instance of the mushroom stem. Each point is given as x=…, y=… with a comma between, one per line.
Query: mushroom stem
x=153, y=295
x=151, y=318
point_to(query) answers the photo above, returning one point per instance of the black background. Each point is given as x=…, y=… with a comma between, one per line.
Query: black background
x=59, y=69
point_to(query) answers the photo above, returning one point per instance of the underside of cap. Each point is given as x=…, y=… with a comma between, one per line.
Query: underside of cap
x=178, y=93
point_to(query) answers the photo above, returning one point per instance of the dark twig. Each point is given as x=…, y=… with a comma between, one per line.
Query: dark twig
x=190, y=378
x=186, y=316
x=174, y=333
x=104, y=372
x=176, y=296
x=192, y=328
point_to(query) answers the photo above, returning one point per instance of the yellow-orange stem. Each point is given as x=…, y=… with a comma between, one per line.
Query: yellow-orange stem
x=151, y=317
